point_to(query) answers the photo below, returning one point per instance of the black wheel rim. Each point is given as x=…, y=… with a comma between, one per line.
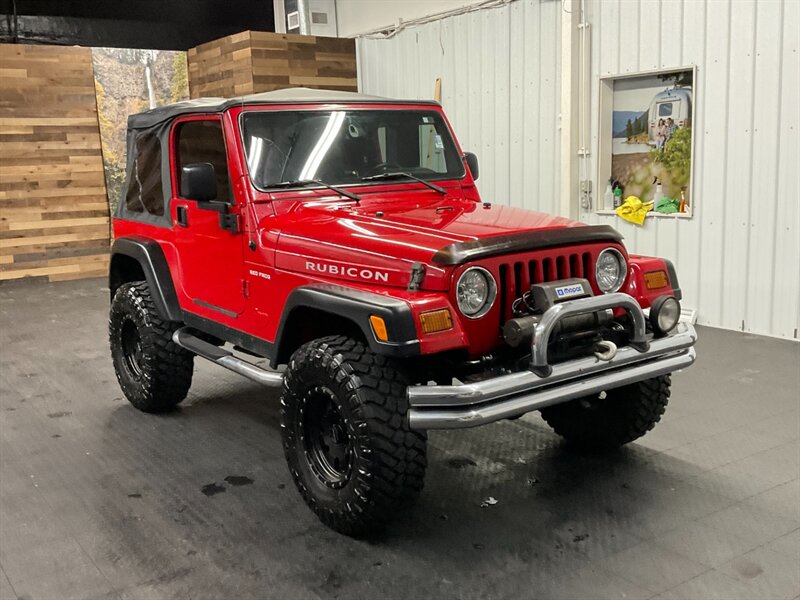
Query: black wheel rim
x=326, y=441
x=132, y=348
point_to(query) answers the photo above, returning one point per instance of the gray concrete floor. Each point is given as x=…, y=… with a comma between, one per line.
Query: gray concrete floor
x=98, y=500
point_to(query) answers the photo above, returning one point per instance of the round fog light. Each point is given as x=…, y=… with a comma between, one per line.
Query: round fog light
x=664, y=314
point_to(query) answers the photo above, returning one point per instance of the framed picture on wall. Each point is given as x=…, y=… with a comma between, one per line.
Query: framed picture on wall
x=646, y=141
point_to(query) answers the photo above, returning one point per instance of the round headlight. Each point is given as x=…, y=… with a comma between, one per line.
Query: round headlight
x=476, y=291
x=610, y=269
x=665, y=311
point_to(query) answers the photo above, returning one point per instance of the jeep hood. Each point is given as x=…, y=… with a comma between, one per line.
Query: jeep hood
x=379, y=240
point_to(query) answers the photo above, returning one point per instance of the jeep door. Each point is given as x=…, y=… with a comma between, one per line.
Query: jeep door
x=209, y=245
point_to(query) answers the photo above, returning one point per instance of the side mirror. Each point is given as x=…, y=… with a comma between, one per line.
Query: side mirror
x=472, y=163
x=199, y=182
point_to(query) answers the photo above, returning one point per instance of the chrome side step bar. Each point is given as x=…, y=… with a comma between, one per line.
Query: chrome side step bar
x=185, y=339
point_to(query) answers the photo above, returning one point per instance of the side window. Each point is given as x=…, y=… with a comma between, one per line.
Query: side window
x=382, y=142
x=203, y=142
x=431, y=149
x=145, y=193
x=422, y=148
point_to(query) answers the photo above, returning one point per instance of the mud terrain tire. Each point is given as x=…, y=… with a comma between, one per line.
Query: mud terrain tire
x=625, y=414
x=155, y=374
x=346, y=437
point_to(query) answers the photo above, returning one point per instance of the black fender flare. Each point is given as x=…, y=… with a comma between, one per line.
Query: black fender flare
x=673, y=279
x=150, y=256
x=356, y=306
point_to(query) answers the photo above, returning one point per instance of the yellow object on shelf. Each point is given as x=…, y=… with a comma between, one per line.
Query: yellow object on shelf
x=634, y=210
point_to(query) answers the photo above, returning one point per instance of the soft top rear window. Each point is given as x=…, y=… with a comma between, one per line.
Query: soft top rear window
x=145, y=193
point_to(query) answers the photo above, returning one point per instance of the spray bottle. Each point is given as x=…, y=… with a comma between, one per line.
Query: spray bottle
x=659, y=191
x=608, y=197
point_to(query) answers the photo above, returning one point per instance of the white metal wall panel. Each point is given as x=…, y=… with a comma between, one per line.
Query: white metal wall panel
x=500, y=82
x=739, y=257
x=785, y=218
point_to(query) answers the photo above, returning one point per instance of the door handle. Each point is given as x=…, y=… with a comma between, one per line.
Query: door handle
x=182, y=215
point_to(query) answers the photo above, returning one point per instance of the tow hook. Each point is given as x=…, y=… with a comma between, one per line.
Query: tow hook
x=605, y=350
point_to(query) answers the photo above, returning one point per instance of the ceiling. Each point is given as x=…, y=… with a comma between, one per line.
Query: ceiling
x=156, y=24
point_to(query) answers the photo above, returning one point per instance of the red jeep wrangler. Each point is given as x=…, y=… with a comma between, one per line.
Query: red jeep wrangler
x=342, y=237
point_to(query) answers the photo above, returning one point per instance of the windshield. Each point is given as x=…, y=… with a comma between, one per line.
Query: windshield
x=342, y=147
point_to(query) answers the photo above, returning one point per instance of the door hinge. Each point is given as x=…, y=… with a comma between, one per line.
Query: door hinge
x=245, y=288
x=229, y=221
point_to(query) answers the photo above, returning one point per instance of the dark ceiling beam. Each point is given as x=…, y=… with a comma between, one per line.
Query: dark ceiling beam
x=161, y=25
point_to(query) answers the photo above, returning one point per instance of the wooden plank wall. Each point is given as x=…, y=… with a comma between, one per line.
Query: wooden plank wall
x=259, y=61
x=289, y=60
x=221, y=68
x=54, y=220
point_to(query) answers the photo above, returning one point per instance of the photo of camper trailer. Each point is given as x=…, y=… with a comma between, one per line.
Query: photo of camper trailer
x=652, y=138
x=672, y=105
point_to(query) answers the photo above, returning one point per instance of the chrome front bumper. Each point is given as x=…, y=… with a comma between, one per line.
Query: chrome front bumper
x=473, y=404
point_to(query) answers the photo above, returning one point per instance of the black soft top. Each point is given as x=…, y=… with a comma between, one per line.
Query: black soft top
x=155, y=116
x=148, y=188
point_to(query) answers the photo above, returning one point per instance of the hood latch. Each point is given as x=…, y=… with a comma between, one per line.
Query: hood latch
x=417, y=275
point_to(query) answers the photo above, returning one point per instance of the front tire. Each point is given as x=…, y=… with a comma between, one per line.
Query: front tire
x=154, y=373
x=625, y=414
x=346, y=437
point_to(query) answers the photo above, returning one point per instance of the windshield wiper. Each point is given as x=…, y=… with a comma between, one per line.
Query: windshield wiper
x=307, y=182
x=399, y=174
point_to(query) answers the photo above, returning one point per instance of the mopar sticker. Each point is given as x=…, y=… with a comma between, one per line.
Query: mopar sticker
x=569, y=291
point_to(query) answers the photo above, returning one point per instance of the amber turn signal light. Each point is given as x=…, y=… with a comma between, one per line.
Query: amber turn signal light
x=654, y=280
x=436, y=320
x=379, y=328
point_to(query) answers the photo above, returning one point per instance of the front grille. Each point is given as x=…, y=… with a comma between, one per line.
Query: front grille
x=517, y=276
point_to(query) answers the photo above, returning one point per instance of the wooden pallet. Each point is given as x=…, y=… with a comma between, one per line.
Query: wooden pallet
x=259, y=61
x=54, y=220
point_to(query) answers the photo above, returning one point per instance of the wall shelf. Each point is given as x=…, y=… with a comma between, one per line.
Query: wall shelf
x=657, y=215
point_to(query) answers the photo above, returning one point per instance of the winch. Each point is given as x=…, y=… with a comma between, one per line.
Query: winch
x=528, y=310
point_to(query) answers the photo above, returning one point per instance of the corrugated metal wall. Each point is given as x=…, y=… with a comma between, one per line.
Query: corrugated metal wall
x=739, y=257
x=500, y=85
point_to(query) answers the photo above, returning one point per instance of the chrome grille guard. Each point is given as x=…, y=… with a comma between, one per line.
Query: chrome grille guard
x=512, y=395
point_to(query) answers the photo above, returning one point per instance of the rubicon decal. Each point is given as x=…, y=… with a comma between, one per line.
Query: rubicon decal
x=347, y=271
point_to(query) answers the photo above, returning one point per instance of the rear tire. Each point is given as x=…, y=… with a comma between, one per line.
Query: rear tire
x=345, y=431
x=154, y=373
x=625, y=414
